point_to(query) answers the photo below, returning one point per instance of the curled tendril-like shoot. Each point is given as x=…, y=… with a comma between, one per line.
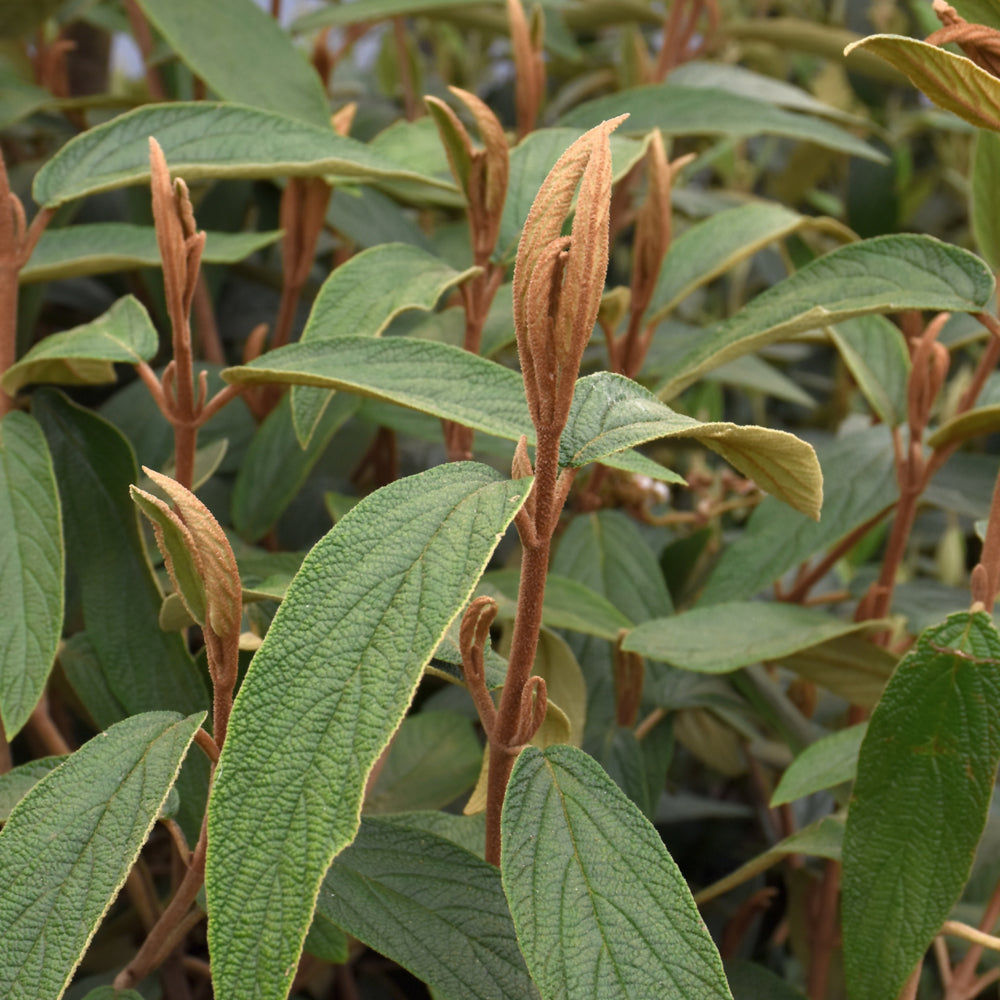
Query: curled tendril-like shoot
x=534, y=705
x=474, y=634
x=978, y=41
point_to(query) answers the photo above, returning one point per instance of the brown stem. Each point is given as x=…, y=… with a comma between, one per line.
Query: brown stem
x=44, y=729
x=144, y=39
x=218, y=401
x=964, y=974
x=6, y=761
x=823, y=938
x=207, y=744
x=8, y=325
x=411, y=104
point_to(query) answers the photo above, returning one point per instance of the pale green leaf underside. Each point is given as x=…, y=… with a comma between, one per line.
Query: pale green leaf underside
x=323, y=696
x=875, y=352
x=925, y=779
x=242, y=53
x=106, y=247
x=724, y=637
x=431, y=906
x=70, y=842
x=880, y=275
x=31, y=568
x=600, y=908
x=204, y=140
x=86, y=355
x=362, y=297
x=823, y=764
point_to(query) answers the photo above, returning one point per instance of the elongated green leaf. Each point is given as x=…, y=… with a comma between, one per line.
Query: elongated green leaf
x=70, y=842
x=611, y=412
x=362, y=297
x=949, y=80
x=984, y=206
x=18, y=781
x=323, y=695
x=724, y=637
x=243, y=55
x=203, y=140
x=880, y=275
x=712, y=247
x=859, y=482
x=375, y=10
x=431, y=906
x=925, y=778
x=105, y=247
x=874, y=351
x=849, y=666
x=86, y=354
x=601, y=910
x=31, y=568
x=680, y=110
x=972, y=423
x=825, y=763
x=144, y=668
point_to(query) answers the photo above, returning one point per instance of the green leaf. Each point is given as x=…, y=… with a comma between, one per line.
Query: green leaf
x=880, y=275
x=242, y=53
x=325, y=692
x=712, y=247
x=86, y=355
x=829, y=761
x=144, y=668
x=362, y=297
x=680, y=110
x=18, y=781
x=724, y=637
x=601, y=910
x=750, y=981
x=31, y=568
x=110, y=993
x=972, y=423
x=433, y=758
x=106, y=247
x=875, y=353
x=204, y=140
x=859, y=481
x=70, y=842
x=375, y=10
x=984, y=206
x=611, y=412
x=925, y=779
x=951, y=81
x=430, y=906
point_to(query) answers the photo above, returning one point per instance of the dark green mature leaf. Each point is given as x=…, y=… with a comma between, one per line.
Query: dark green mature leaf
x=431, y=906
x=680, y=110
x=829, y=761
x=859, y=481
x=86, y=354
x=31, y=568
x=724, y=637
x=18, y=781
x=241, y=52
x=984, y=206
x=362, y=297
x=203, y=140
x=105, y=247
x=611, y=412
x=925, y=778
x=874, y=350
x=750, y=981
x=110, y=993
x=70, y=842
x=324, y=694
x=145, y=669
x=880, y=275
x=601, y=910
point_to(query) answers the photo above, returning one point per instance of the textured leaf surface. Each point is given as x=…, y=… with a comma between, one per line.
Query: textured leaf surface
x=880, y=275
x=31, y=568
x=202, y=140
x=925, y=778
x=949, y=80
x=323, y=695
x=601, y=910
x=984, y=206
x=431, y=906
x=724, y=637
x=825, y=763
x=70, y=842
x=86, y=354
x=611, y=413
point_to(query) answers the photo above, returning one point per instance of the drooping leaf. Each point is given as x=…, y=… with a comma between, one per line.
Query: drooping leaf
x=431, y=906
x=18, y=781
x=880, y=275
x=925, y=779
x=721, y=638
x=204, y=140
x=361, y=298
x=242, y=53
x=984, y=206
x=680, y=110
x=848, y=665
x=31, y=568
x=825, y=763
x=611, y=412
x=583, y=869
x=874, y=351
x=951, y=81
x=972, y=423
x=326, y=690
x=70, y=842
x=86, y=354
